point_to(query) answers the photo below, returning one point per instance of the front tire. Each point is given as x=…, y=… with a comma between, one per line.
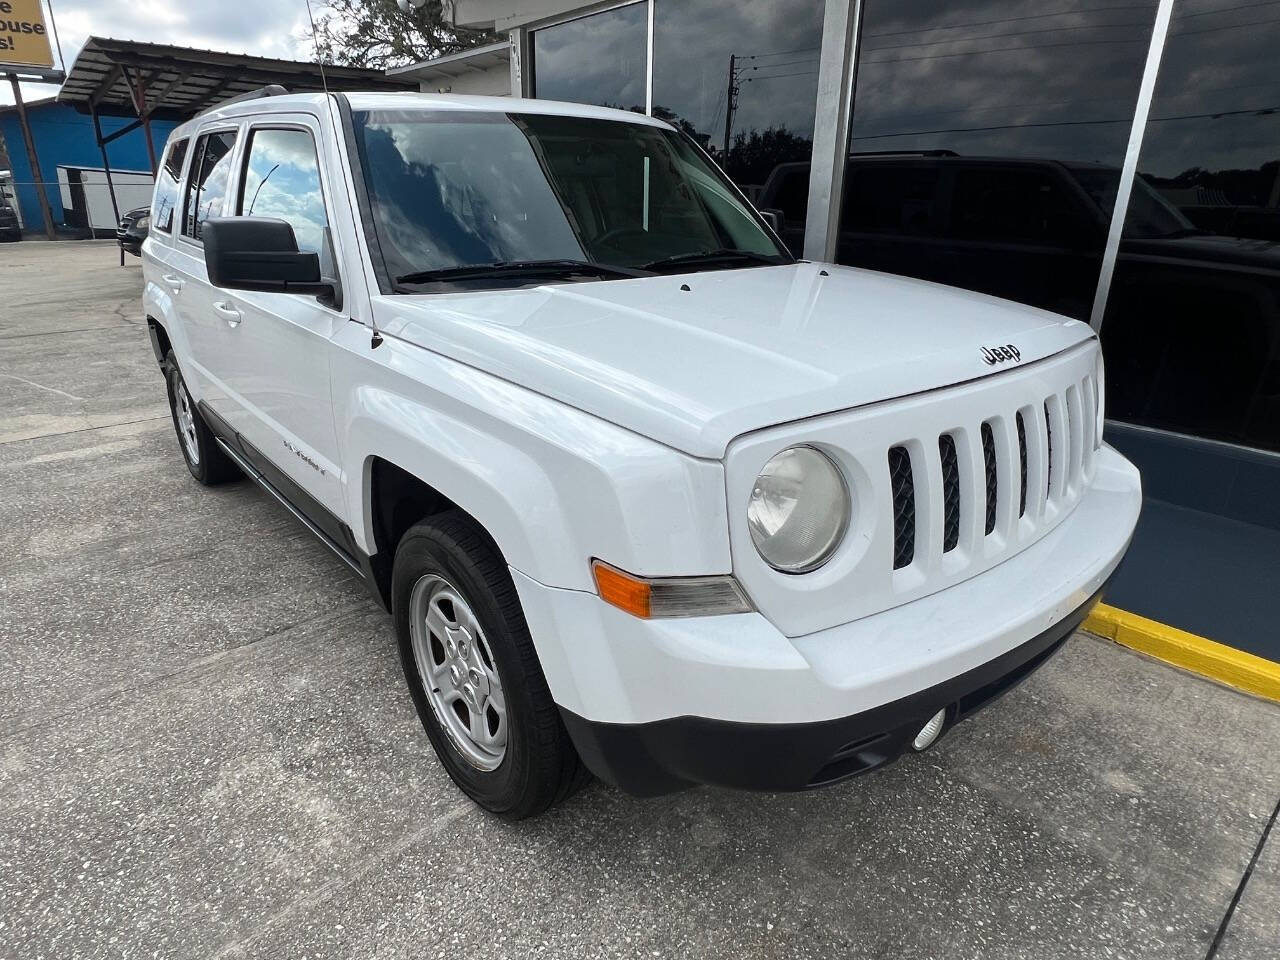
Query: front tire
x=204, y=458
x=473, y=672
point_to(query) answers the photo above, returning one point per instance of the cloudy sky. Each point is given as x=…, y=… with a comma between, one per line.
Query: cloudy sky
x=269, y=28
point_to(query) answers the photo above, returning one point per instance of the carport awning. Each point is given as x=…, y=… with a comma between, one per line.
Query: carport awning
x=150, y=78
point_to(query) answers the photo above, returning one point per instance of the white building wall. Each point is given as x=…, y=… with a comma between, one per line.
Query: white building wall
x=491, y=82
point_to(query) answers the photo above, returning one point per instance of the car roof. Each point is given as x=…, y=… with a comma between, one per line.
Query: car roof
x=408, y=100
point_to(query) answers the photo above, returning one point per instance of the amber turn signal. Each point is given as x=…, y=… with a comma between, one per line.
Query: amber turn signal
x=654, y=597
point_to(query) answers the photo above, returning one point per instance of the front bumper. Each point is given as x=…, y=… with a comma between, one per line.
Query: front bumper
x=698, y=685
x=650, y=759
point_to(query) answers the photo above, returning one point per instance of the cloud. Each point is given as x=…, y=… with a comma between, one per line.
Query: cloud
x=267, y=28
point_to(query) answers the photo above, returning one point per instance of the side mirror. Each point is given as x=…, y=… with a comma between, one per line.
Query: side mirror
x=260, y=253
x=772, y=217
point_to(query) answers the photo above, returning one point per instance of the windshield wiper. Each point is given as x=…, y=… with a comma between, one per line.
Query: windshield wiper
x=722, y=255
x=522, y=268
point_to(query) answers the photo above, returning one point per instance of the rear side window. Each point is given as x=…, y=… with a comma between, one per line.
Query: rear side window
x=282, y=179
x=165, y=197
x=207, y=182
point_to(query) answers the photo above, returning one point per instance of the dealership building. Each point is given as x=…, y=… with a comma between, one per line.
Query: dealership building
x=1118, y=163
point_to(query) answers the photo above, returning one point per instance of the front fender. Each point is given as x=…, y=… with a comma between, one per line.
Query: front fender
x=553, y=486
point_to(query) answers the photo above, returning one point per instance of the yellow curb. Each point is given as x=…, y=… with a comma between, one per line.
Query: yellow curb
x=1208, y=658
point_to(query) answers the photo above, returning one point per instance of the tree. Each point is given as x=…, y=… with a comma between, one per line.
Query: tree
x=376, y=33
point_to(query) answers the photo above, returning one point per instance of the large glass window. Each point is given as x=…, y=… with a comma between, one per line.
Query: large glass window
x=282, y=179
x=596, y=59
x=975, y=125
x=165, y=197
x=454, y=190
x=208, y=180
x=741, y=77
x=1192, y=329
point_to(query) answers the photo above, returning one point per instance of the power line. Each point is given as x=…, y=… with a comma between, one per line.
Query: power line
x=1257, y=111
x=1032, y=46
x=1229, y=26
x=807, y=73
x=1002, y=36
x=988, y=23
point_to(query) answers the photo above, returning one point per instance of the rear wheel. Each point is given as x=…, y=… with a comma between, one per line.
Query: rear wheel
x=205, y=459
x=473, y=673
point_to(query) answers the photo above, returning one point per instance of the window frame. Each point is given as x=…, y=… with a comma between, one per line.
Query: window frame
x=199, y=136
x=180, y=182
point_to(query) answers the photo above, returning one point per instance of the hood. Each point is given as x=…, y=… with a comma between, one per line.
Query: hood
x=694, y=360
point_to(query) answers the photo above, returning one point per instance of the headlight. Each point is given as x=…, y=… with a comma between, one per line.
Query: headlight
x=799, y=510
x=142, y=223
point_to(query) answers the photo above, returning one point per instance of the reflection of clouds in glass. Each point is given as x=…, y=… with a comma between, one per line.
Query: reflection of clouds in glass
x=989, y=77
x=283, y=181
x=776, y=44
x=439, y=183
x=595, y=59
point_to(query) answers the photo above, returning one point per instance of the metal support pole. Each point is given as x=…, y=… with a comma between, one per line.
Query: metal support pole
x=106, y=164
x=837, y=73
x=33, y=159
x=1129, y=170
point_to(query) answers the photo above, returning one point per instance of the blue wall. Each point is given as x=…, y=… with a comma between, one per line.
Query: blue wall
x=65, y=137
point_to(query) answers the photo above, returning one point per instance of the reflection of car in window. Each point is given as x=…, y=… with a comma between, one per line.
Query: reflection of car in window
x=1034, y=231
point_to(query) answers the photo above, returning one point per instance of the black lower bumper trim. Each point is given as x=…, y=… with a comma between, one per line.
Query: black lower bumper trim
x=649, y=759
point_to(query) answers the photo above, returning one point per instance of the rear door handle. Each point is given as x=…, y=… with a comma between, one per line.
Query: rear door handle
x=174, y=282
x=227, y=312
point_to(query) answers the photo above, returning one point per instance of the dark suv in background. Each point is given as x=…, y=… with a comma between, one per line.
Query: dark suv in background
x=1192, y=328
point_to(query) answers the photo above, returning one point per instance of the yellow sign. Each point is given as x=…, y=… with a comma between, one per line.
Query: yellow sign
x=24, y=42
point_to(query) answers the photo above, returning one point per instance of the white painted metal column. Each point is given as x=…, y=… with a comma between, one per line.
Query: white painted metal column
x=837, y=70
x=1130, y=168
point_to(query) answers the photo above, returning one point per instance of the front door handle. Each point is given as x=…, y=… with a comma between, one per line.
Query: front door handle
x=173, y=281
x=228, y=312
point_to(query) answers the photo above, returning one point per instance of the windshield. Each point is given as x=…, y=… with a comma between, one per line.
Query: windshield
x=1150, y=215
x=452, y=189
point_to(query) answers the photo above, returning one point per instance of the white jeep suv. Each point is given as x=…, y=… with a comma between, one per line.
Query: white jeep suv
x=645, y=496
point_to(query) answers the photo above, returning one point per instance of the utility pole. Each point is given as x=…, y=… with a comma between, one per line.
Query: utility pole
x=32, y=159
x=731, y=104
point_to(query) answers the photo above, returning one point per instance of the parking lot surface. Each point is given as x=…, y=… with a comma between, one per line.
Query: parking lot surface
x=207, y=750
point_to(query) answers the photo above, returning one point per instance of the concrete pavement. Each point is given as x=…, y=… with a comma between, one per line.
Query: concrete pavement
x=206, y=750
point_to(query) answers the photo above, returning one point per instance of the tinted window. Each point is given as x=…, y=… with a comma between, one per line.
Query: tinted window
x=597, y=59
x=890, y=198
x=453, y=189
x=282, y=180
x=981, y=82
x=1192, y=328
x=207, y=183
x=165, y=197
x=1016, y=206
x=741, y=77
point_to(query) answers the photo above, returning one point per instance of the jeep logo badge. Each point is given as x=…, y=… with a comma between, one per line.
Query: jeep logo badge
x=993, y=355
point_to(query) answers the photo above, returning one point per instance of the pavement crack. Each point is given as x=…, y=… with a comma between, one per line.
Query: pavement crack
x=1244, y=881
x=64, y=433
x=41, y=386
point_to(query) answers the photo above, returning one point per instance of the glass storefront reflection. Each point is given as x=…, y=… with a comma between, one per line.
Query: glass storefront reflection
x=1192, y=328
x=978, y=132
x=741, y=77
x=597, y=59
